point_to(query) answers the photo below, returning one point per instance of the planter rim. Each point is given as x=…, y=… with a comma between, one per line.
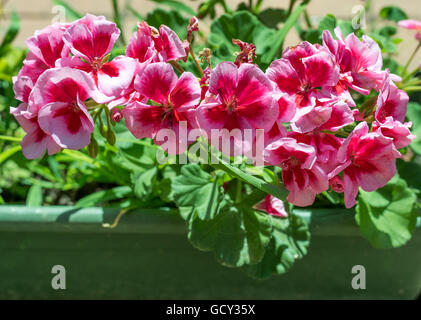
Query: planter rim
x=323, y=221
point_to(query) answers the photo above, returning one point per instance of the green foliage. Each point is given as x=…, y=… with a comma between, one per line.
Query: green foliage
x=172, y=19
x=198, y=192
x=388, y=215
x=289, y=242
x=393, y=13
x=272, y=17
x=241, y=25
x=414, y=114
x=11, y=32
x=104, y=196
x=34, y=198
x=238, y=235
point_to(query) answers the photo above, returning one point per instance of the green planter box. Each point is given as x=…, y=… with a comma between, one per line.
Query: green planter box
x=148, y=256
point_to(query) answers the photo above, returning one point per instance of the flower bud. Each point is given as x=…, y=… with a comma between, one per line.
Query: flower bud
x=116, y=115
x=93, y=147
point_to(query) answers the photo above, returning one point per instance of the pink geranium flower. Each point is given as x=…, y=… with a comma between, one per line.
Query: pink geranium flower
x=47, y=45
x=391, y=102
x=173, y=101
x=272, y=206
x=412, y=25
x=57, y=99
x=301, y=175
x=36, y=141
x=150, y=45
x=45, y=48
x=367, y=161
x=396, y=130
x=302, y=70
x=360, y=61
x=324, y=112
x=326, y=146
x=238, y=98
x=91, y=39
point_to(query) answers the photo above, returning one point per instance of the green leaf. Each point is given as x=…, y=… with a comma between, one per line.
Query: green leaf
x=6, y=154
x=144, y=182
x=328, y=23
x=289, y=242
x=386, y=216
x=237, y=235
x=272, y=17
x=276, y=191
x=410, y=172
x=71, y=13
x=12, y=31
x=172, y=19
x=388, y=31
x=393, y=13
x=104, y=196
x=195, y=188
x=279, y=36
x=385, y=42
x=177, y=6
x=34, y=198
x=241, y=25
x=414, y=115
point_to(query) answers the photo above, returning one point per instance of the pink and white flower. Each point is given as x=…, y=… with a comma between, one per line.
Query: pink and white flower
x=360, y=61
x=272, y=206
x=174, y=100
x=36, y=141
x=91, y=39
x=396, y=130
x=367, y=160
x=391, y=102
x=302, y=70
x=238, y=98
x=47, y=45
x=301, y=175
x=57, y=99
x=412, y=25
x=150, y=45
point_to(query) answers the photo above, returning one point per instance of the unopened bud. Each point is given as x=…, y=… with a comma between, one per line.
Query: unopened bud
x=111, y=137
x=93, y=147
x=116, y=115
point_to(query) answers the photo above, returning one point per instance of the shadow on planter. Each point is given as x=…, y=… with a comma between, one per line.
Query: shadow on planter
x=148, y=256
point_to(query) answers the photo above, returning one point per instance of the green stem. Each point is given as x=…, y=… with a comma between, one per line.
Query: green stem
x=307, y=19
x=9, y=138
x=117, y=20
x=225, y=6
x=239, y=190
x=251, y=5
x=291, y=6
x=411, y=58
x=256, y=9
x=411, y=74
x=412, y=89
x=177, y=66
x=198, y=66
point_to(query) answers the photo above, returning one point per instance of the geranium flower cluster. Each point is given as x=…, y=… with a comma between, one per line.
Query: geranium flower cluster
x=304, y=102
